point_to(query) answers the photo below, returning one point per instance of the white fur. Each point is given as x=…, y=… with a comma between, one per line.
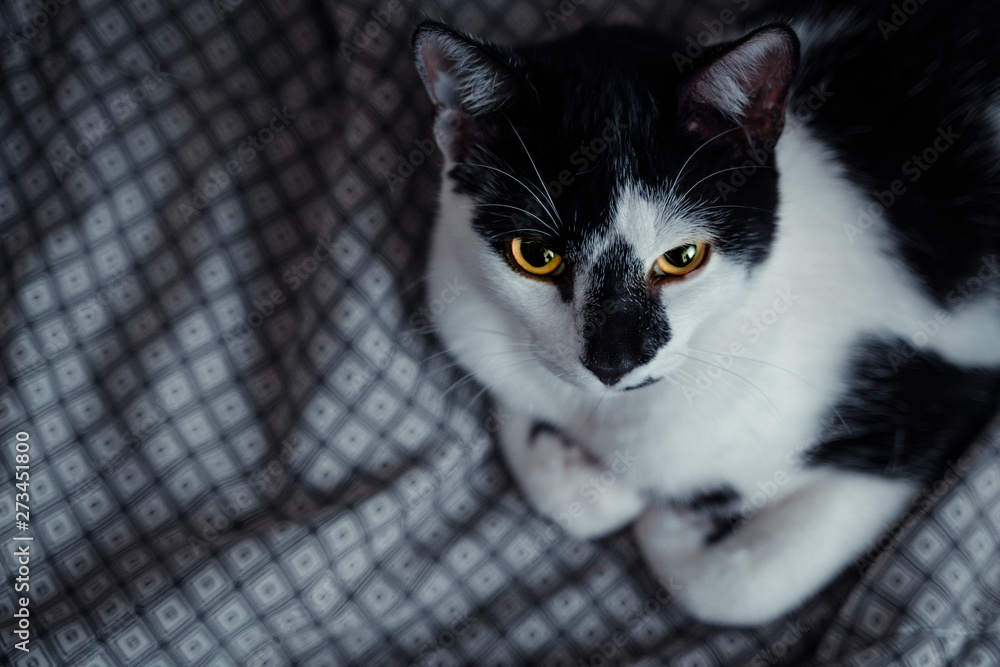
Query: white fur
x=780, y=557
x=586, y=498
x=743, y=425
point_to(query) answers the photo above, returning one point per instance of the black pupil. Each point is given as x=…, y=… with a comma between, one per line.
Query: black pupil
x=536, y=254
x=682, y=256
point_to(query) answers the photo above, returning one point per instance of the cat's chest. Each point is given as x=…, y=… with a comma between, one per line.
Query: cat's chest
x=672, y=447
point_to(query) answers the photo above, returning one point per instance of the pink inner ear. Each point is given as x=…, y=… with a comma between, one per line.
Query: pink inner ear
x=749, y=79
x=746, y=85
x=462, y=74
x=431, y=63
x=434, y=65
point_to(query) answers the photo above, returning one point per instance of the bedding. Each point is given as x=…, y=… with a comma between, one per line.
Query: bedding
x=243, y=447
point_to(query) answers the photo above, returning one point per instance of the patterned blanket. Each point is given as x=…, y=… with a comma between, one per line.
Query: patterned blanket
x=225, y=440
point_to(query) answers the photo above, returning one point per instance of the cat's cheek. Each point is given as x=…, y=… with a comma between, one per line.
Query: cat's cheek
x=751, y=333
x=590, y=493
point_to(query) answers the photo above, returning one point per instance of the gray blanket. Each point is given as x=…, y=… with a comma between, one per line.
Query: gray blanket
x=240, y=449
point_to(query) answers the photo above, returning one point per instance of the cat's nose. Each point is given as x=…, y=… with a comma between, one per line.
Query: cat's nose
x=621, y=343
x=610, y=371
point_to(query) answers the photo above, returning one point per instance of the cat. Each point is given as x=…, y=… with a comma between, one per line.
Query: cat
x=742, y=296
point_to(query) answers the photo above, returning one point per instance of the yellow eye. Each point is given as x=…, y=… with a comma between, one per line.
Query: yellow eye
x=534, y=257
x=681, y=260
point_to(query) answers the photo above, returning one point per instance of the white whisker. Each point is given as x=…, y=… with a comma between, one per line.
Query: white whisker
x=681, y=172
x=721, y=171
x=515, y=178
x=751, y=208
x=735, y=374
x=517, y=208
x=541, y=181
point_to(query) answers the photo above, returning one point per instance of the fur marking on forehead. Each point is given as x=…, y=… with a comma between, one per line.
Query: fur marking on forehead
x=648, y=221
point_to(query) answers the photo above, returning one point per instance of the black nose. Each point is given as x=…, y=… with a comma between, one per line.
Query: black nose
x=622, y=342
x=624, y=324
x=610, y=371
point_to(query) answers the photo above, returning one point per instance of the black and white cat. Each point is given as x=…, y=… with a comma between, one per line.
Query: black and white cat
x=745, y=298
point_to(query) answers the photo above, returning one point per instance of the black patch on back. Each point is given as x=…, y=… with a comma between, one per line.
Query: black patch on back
x=885, y=95
x=909, y=413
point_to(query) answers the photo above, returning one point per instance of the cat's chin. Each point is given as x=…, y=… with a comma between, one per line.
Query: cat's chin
x=589, y=384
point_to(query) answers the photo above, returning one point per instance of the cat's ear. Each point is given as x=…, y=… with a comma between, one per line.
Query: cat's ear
x=465, y=78
x=745, y=86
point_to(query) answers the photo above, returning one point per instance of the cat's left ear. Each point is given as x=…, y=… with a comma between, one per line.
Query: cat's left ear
x=465, y=78
x=745, y=86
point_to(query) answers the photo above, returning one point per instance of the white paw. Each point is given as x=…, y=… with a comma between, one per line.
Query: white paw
x=672, y=534
x=717, y=582
x=567, y=485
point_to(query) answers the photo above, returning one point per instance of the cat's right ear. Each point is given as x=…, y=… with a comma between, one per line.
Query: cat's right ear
x=745, y=87
x=465, y=78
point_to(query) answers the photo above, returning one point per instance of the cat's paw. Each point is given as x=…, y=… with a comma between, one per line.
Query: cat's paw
x=677, y=543
x=565, y=483
x=673, y=534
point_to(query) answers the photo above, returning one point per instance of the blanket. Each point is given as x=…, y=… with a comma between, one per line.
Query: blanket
x=225, y=438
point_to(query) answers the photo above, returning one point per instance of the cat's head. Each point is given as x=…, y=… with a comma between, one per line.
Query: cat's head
x=612, y=204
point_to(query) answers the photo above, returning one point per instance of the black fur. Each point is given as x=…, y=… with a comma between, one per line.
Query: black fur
x=895, y=90
x=625, y=325
x=720, y=505
x=908, y=413
x=878, y=93
x=897, y=84
x=539, y=427
x=718, y=500
x=597, y=109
